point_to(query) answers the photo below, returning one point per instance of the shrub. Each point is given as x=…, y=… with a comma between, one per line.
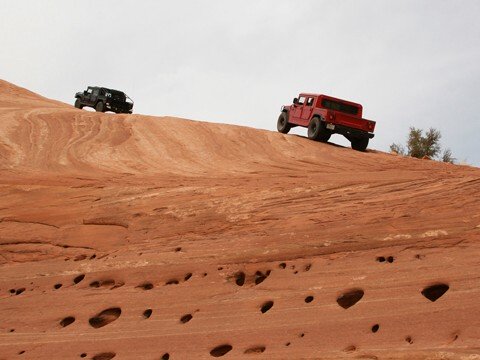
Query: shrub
x=423, y=146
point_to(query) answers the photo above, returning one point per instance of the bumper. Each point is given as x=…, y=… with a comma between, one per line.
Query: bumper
x=352, y=132
x=118, y=108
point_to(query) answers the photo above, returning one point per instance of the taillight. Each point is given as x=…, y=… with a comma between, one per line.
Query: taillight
x=371, y=125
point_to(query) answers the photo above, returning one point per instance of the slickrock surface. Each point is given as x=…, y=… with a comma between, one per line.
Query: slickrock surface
x=138, y=237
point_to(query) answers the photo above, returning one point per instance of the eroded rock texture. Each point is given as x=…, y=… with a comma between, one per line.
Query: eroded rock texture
x=137, y=237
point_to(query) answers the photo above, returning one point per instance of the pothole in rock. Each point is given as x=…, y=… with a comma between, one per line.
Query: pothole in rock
x=19, y=291
x=434, y=292
x=186, y=318
x=67, y=321
x=145, y=286
x=104, y=356
x=78, y=279
x=255, y=350
x=260, y=277
x=105, y=317
x=221, y=350
x=309, y=299
x=240, y=278
x=266, y=306
x=350, y=298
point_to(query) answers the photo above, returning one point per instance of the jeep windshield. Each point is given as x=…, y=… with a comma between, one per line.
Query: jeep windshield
x=338, y=106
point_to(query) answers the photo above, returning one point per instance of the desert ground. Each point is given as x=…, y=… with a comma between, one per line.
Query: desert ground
x=140, y=237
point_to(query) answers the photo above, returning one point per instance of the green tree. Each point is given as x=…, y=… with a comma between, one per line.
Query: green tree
x=421, y=145
x=448, y=157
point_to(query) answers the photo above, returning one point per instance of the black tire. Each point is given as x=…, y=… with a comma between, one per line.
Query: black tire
x=99, y=107
x=282, y=124
x=359, y=144
x=318, y=131
x=78, y=104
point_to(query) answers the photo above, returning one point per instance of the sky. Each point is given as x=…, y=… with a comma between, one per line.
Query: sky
x=408, y=62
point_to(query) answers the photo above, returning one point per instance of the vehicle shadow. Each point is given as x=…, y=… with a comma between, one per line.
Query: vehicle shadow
x=332, y=143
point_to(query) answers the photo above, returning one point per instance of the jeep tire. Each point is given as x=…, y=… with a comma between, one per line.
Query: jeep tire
x=99, y=107
x=318, y=131
x=78, y=104
x=359, y=144
x=282, y=124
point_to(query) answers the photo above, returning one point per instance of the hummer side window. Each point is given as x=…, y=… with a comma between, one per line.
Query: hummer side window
x=310, y=101
x=301, y=100
x=95, y=92
x=89, y=90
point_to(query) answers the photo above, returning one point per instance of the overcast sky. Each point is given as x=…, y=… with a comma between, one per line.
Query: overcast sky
x=410, y=63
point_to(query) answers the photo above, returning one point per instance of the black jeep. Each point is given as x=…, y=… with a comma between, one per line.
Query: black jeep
x=103, y=99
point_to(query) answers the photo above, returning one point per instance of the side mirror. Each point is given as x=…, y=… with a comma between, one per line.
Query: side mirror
x=295, y=100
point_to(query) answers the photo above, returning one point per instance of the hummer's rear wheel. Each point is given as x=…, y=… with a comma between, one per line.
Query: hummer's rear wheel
x=78, y=104
x=99, y=107
x=282, y=124
x=359, y=144
x=318, y=131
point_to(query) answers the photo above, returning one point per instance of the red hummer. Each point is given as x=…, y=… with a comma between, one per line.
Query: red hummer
x=325, y=115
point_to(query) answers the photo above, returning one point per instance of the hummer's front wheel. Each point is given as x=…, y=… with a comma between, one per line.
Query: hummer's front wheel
x=78, y=104
x=282, y=124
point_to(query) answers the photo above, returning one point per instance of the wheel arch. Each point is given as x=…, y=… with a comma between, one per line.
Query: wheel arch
x=319, y=116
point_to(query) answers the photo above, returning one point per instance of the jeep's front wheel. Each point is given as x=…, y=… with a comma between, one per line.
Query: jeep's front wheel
x=359, y=144
x=282, y=124
x=78, y=104
x=99, y=107
x=318, y=131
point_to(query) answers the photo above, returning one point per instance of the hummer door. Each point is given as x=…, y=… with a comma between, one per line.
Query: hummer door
x=295, y=115
x=308, y=110
x=95, y=94
x=87, y=98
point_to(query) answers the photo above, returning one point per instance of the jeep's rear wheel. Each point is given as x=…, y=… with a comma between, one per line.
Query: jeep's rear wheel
x=318, y=131
x=99, y=107
x=359, y=144
x=282, y=124
x=78, y=104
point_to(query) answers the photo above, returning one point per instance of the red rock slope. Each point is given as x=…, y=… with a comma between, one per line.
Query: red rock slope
x=137, y=237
